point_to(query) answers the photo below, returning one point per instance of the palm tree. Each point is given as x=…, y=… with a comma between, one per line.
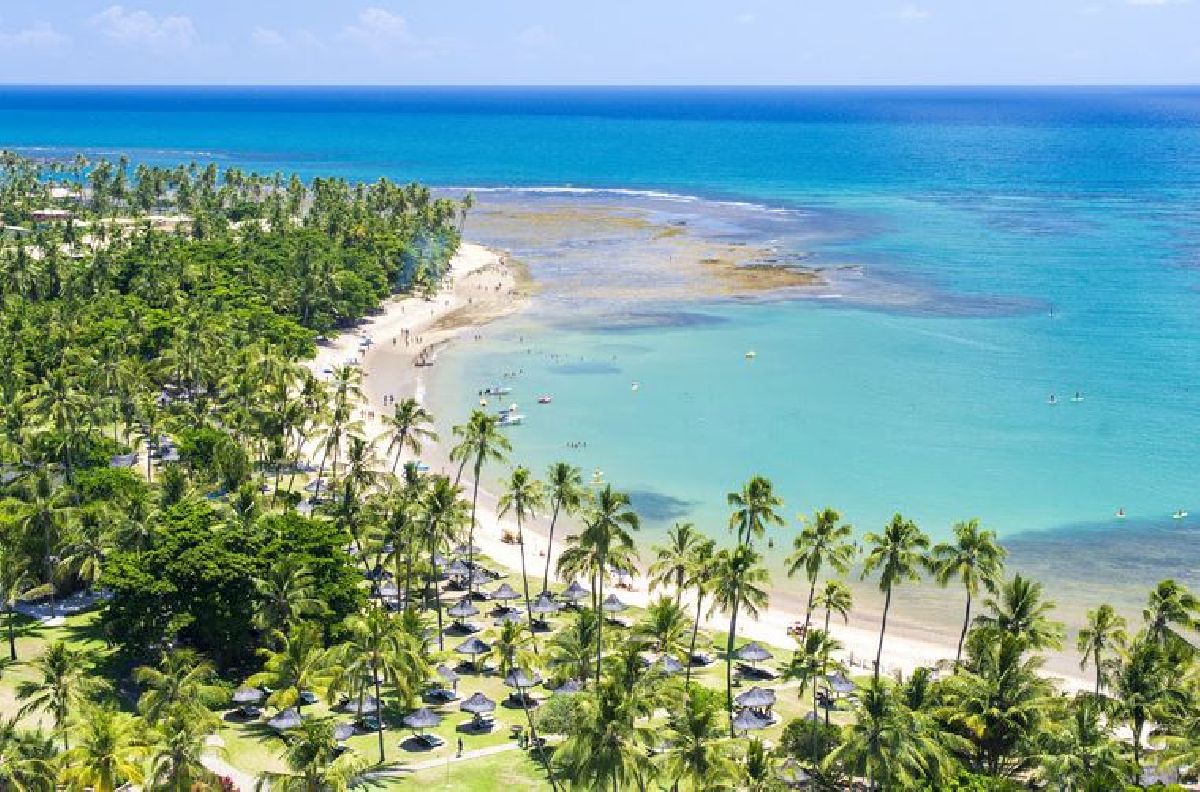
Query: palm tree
x=181, y=685
x=573, y=646
x=443, y=515
x=835, y=597
x=1145, y=688
x=697, y=753
x=824, y=541
x=480, y=442
x=671, y=562
x=27, y=760
x=755, y=508
x=524, y=496
x=109, y=754
x=1170, y=611
x=700, y=571
x=409, y=425
x=607, y=747
x=887, y=744
x=564, y=484
x=606, y=538
x=288, y=593
x=1019, y=610
x=810, y=663
x=380, y=650
x=1081, y=754
x=177, y=756
x=898, y=555
x=976, y=559
x=1104, y=631
x=738, y=585
x=300, y=664
x=667, y=625
x=59, y=672
x=14, y=580
x=315, y=763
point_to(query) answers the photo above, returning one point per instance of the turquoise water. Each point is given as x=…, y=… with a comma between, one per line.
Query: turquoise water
x=1014, y=244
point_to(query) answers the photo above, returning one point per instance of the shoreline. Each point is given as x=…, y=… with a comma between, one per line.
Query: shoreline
x=484, y=285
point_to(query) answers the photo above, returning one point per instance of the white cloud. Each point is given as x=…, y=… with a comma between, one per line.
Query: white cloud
x=265, y=37
x=159, y=34
x=39, y=36
x=913, y=13
x=535, y=36
x=379, y=30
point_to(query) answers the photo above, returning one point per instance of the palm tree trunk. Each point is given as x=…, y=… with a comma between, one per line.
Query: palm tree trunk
x=1099, y=672
x=812, y=593
x=729, y=662
x=433, y=580
x=471, y=535
x=525, y=579
x=887, y=603
x=827, y=611
x=550, y=545
x=533, y=739
x=962, y=636
x=12, y=638
x=599, y=617
x=687, y=676
x=378, y=703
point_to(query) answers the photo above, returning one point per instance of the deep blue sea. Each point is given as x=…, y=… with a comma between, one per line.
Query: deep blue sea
x=1017, y=243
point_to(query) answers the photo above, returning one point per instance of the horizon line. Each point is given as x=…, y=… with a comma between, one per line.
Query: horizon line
x=610, y=86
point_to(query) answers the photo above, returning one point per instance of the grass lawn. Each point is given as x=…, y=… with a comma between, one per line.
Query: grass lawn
x=508, y=770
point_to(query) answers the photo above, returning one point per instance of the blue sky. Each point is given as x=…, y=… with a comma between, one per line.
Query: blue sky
x=612, y=42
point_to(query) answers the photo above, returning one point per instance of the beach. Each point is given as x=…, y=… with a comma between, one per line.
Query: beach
x=484, y=284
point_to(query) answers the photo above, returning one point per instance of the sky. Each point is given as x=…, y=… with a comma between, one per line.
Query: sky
x=616, y=42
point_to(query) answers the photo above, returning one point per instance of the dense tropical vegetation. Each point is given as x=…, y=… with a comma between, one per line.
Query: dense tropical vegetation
x=166, y=457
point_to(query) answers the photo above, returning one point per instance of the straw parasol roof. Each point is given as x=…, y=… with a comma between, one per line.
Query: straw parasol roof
x=447, y=673
x=466, y=549
x=343, y=732
x=753, y=652
x=287, y=719
x=477, y=704
x=505, y=592
x=248, y=695
x=749, y=720
x=518, y=678
x=613, y=605
x=569, y=687
x=473, y=646
x=457, y=569
x=668, y=665
x=756, y=697
x=463, y=609
x=544, y=604
x=423, y=718
x=840, y=684
x=575, y=592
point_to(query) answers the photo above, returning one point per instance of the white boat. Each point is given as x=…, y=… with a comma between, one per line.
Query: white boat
x=511, y=419
x=1078, y=397
x=545, y=399
x=751, y=355
x=1179, y=515
x=497, y=390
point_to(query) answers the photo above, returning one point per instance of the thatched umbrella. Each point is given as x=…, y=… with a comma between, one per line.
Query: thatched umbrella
x=518, y=678
x=248, y=695
x=544, y=605
x=463, y=609
x=286, y=719
x=749, y=720
x=343, y=732
x=756, y=698
x=613, y=605
x=477, y=704
x=504, y=593
x=569, y=687
x=474, y=647
x=423, y=718
x=575, y=592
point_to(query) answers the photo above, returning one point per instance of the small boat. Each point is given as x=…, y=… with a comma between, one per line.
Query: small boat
x=497, y=390
x=634, y=386
x=751, y=355
x=1179, y=515
x=511, y=419
x=1052, y=400
x=545, y=399
x=1121, y=513
x=1078, y=397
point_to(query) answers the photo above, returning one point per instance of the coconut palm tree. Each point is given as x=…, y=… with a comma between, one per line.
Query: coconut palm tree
x=58, y=673
x=573, y=646
x=1081, y=754
x=480, y=442
x=755, y=508
x=898, y=555
x=288, y=594
x=177, y=755
x=670, y=566
x=667, y=625
x=606, y=538
x=835, y=597
x=823, y=542
x=1145, y=689
x=407, y=429
x=607, y=747
x=443, y=517
x=564, y=485
x=810, y=662
x=976, y=560
x=522, y=498
x=697, y=752
x=300, y=664
x=1104, y=631
x=378, y=651
x=700, y=571
x=738, y=586
x=182, y=685
x=14, y=581
x=27, y=759
x=886, y=743
x=1020, y=610
x=315, y=763
x=1171, y=611
x=109, y=753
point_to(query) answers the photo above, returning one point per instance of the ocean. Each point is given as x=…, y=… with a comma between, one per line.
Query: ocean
x=987, y=249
